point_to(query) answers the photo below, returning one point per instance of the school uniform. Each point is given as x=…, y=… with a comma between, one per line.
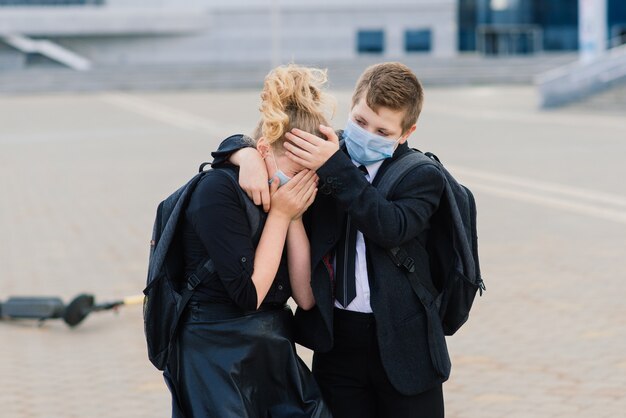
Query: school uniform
x=374, y=356
x=231, y=359
x=374, y=360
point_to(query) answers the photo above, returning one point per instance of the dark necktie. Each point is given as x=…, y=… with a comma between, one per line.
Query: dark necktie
x=345, y=291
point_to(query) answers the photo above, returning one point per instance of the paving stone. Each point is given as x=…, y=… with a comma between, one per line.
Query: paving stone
x=81, y=177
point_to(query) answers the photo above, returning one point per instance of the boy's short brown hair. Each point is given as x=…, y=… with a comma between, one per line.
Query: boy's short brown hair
x=392, y=85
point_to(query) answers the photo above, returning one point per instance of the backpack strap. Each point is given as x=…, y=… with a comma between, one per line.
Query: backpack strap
x=386, y=185
x=201, y=275
x=398, y=169
x=207, y=269
x=426, y=292
x=166, y=223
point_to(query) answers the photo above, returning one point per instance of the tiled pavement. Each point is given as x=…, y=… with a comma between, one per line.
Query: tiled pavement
x=80, y=177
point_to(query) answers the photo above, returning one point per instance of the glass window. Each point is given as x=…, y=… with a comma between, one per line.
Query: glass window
x=617, y=22
x=467, y=15
x=417, y=40
x=371, y=41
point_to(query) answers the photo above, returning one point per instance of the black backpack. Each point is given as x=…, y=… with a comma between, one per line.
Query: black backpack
x=167, y=292
x=452, y=247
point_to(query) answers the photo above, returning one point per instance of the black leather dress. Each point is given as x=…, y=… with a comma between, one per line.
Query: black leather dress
x=245, y=366
x=229, y=359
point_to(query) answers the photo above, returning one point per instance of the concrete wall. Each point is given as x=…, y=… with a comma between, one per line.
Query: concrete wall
x=10, y=59
x=86, y=21
x=205, y=31
x=309, y=33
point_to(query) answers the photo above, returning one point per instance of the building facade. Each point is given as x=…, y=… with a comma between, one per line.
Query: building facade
x=530, y=26
x=118, y=32
x=86, y=33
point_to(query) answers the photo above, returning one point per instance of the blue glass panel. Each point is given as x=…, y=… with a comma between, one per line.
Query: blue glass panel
x=371, y=41
x=417, y=40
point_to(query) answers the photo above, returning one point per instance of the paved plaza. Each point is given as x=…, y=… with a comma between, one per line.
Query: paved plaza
x=81, y=176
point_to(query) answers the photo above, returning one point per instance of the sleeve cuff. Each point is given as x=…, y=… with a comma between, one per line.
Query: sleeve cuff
x=338, y=171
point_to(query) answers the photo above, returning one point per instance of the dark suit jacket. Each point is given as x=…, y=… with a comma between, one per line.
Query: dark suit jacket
x=402, y=220
x=401, y=322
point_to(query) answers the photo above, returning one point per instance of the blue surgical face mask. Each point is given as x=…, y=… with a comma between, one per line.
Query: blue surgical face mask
x=282, y=177
x=365, y=147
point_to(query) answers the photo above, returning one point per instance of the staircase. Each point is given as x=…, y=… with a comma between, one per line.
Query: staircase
x=461, y=70
x=48, y=49
x=612, y=100
x=578, y=81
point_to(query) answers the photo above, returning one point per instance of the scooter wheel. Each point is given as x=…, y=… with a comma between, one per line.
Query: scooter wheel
x=78, y=309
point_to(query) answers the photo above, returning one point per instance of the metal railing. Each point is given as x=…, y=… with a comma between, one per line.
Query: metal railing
x=48, y=49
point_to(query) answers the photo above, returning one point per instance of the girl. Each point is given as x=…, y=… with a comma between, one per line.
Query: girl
x=235, y=355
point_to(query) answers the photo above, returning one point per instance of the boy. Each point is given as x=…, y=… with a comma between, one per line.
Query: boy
x=374, y=350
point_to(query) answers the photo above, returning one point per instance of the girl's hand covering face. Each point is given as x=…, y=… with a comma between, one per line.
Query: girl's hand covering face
x=295, y=197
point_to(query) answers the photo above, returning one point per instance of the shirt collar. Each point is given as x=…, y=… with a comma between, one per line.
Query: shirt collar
x=372, y=169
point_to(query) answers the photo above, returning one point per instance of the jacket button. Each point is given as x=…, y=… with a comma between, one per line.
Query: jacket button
x=280, y=287
x=244, y=259
x=329, y=180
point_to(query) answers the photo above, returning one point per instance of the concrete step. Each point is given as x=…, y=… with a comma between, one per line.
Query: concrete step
x=342, y=74
x=609, y=101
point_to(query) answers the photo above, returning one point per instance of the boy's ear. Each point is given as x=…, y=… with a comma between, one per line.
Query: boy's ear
x=263, y=147
x=407, y=134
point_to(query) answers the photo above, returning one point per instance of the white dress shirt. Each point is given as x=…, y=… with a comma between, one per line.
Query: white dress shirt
x=361, y=303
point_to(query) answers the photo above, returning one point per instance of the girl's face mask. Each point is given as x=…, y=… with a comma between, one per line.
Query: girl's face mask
x=365, y=147
x=282, y=177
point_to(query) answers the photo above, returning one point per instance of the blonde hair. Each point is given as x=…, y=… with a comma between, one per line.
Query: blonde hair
x=292, y=97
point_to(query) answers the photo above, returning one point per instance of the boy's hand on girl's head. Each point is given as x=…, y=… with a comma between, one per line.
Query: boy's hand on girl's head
x=311, y=151
x=253, y=176
x=293, y=198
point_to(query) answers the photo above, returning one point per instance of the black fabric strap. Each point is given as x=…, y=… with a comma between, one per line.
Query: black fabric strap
x=436, y=340
x=207, y=269
x=387, y=183
x=401, y=259
x=423, y=289
x=202, y=273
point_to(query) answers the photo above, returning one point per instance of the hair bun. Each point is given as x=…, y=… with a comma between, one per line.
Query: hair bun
x=289, y=90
